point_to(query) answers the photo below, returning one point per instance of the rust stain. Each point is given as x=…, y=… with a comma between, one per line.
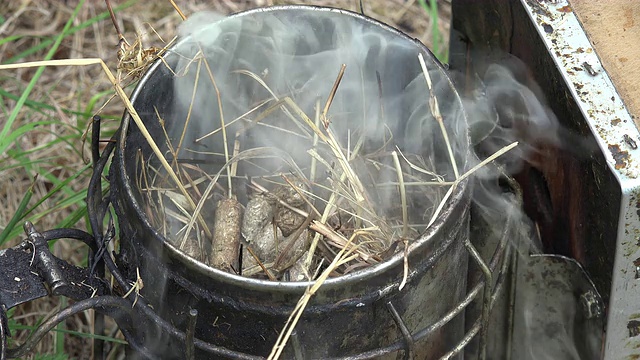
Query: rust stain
x=634, y=328
x=615, y=121
x=565, y=9
x=628, y=18
x=621, y=157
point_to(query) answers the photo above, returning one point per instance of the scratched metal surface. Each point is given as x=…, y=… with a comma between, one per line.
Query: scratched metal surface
x=596, y=193
x=556, y=304
x=617, y=137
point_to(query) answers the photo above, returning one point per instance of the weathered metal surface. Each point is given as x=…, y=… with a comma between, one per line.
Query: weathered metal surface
x=593, y=192
x=615, y=132
x=17, y=283
x=558, y=312
x=486, y=238
x=30, y=271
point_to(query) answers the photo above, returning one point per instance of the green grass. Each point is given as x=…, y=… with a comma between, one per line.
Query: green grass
x=16, y=326
x=44, y=108
x=62, y=192
x=58, y=162
x=60, y=333
x=69, y=31
x=34, y=80
x=8, y=141
x=14, y=130
x=439, y=49
x=22, y=208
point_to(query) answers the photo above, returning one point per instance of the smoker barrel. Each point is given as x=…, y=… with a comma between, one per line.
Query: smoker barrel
x=349, y=314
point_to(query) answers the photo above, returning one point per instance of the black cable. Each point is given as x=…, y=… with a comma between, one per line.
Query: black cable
x=75, y=234
x=95, y=202
x=96, y=208
x=104, y=302
x=95, y=139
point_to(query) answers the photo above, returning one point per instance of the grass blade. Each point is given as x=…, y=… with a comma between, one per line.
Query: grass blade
x=7, y=139
x=19, y=214
x=58, y=187
x=436, y=37
x=38, y=106
x=34, y=80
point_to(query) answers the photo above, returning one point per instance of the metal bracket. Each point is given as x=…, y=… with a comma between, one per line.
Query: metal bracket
x=31, y=271
x=18, y=282
x=406, y=334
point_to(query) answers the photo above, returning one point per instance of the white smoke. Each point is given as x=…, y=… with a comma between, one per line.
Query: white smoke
x=382, y=95
x=508, y=106
x=300, y=56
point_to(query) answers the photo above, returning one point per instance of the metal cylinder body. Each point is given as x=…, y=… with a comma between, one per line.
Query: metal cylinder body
x=350, y=314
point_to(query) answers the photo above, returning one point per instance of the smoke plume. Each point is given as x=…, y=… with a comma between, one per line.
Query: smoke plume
x=383, y=92
x=382, y=97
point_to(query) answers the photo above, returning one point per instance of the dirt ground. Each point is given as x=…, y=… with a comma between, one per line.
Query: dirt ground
x=26, y=24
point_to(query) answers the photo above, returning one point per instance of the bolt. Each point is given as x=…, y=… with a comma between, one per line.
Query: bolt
x=634, y=328
x=636, y=263
x=591, y=304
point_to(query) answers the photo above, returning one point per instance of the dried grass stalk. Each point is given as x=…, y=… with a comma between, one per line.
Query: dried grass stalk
x=435, y=111
x=343, y=256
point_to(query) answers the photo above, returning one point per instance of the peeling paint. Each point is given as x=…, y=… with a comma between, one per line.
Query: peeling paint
x=621, y=157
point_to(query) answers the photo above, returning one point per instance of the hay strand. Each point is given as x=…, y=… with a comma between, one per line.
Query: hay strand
x=435, y=111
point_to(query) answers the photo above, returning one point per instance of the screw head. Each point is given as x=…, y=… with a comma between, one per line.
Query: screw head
x=591, y=304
